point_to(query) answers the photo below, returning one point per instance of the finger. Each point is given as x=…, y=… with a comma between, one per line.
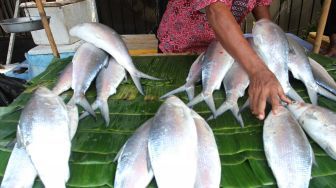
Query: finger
x=255, y=97
x=275, y=101
x=261, y=105
x=284, y=98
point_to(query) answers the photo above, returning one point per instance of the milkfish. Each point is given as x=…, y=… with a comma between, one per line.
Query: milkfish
x=287, y=150
x=134, y=169
x=107, y=39
x=209, y=165
x=44, y=132
x=87, y=62
x=215, y=65
x=270, y=43
x=107, y=81
x=64, y=81
x=299, y=66
x=172, y=145
x=193, y=77
x=318, y=123
x=20, y=171
x=322, y=77
x=235, y=83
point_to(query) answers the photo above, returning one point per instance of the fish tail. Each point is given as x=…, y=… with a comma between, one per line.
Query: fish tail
x=312, y=95
x=94, y=106
x=190, y=92
x=326, y=93
x=178, y=90
x=223, y=108
x=137, y=83
x=245, y=105
x=143, y=75
x=73, y=116
x=237, y=115
x=209, y=100
x=199, y=98
x=82, y=101
x=294, y=95
x=103, y=106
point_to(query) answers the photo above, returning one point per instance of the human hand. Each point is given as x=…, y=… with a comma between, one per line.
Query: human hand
x=264, y=86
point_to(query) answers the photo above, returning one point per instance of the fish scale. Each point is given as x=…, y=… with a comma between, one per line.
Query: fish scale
x=287, y=150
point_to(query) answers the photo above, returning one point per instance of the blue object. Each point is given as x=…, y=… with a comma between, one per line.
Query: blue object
x=24, y=76
x=39, y=62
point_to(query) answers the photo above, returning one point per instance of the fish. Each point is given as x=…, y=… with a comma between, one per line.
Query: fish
x=172, y=145
x=107, y=81
x=87, y=62
x=194, y=76
x=235, y=83
x=216, y=63
x=64, y=81
x=134, y=169
x=270, y=43
x=20, y=171
x=109, y=40
x=318, y=123
x=301, y=69
x=322, y=77
x=44, y=132
x=287, y=150
x=208, y=164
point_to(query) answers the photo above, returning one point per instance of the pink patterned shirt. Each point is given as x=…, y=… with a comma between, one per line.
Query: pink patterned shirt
x=184, y=28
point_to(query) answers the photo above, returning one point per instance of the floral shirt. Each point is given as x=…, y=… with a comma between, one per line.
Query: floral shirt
x=184, y=28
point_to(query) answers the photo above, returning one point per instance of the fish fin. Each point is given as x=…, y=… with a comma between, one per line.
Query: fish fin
x=103, y=106
x=294, y=95
x=178, y=90
x=237, y=115
x=73, y=119
x=137, y=83
x=190, y=92
x=82, y=101
x=326, y=93
x=245, y=105
x=199, y=98
x=106, y=61
x=209, y=100
x=94, y=106
x=210, y=118
x=149, y=167
x=116, y=158
x=331, y=152
x=312, y=95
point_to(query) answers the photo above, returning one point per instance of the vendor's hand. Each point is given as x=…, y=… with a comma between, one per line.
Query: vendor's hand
x=264, y=86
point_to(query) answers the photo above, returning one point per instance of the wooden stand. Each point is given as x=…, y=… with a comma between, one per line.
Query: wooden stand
x=321, y=25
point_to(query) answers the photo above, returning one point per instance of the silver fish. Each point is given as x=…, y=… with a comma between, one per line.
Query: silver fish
x=20, y=172
x=270, y=42
x=318, y=123
x=64, y=81
x=134, y=168
x=322, y=77
x=215, y=65
x=172, y=145
x=87, y=62
x=107, y=81
x=299, y=66
x=194, y=76
x=287, y=150
x=107, y=39
x=44, y=132
x=235, y=83
x=208, y=165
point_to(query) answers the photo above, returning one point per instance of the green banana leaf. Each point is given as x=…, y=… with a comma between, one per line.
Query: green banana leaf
x=95, y=146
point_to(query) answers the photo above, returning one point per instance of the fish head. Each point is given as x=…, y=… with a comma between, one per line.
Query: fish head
x=297, y=108
x=174, y=101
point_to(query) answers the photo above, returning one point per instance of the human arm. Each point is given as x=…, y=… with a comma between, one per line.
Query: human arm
x=263, y=84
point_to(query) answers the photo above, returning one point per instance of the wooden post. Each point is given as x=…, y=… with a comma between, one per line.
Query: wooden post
x=321, y=25
x=12, y=36
x=47, y=29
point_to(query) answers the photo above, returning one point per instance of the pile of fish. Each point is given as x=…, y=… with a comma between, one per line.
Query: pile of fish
x=176, y=146
x=278, y=51
x=43, y=143
x=105, y=56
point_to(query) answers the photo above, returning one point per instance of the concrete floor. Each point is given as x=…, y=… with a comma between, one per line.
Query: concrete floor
x=21, y=46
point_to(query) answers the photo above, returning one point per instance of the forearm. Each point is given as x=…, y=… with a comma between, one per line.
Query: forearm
x=229, y=34
x=261, y=12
